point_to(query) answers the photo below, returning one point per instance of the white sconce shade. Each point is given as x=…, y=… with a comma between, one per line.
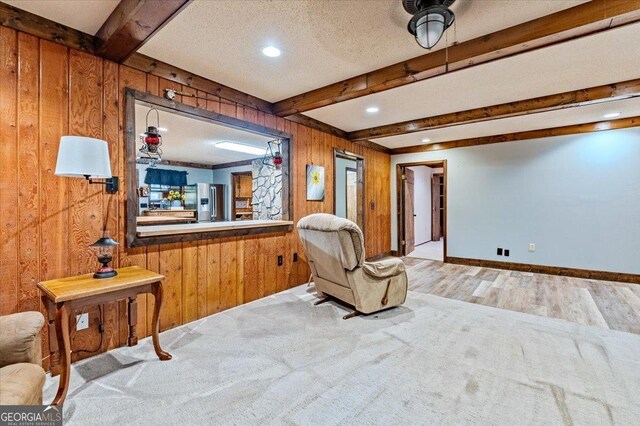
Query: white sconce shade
x=79, y=156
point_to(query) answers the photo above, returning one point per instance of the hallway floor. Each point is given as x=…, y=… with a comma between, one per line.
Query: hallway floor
x=432, y=250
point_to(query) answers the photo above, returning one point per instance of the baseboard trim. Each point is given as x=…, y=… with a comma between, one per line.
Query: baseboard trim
x=551, y=270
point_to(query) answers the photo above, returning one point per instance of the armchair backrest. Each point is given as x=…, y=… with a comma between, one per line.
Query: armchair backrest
x=333, y=245
x=20, y=338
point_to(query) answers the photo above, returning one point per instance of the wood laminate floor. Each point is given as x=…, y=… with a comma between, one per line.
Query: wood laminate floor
x=601, y=303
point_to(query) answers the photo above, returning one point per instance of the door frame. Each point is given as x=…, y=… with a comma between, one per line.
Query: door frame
x=360, y=165
x=400, y=204
x=433, y=213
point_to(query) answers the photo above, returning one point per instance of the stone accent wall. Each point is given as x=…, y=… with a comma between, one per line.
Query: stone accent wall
x=267, y=191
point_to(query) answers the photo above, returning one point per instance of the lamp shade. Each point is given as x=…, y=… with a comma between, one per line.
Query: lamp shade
x=79, y=156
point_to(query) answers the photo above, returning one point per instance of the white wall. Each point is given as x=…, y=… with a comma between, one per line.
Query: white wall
x=340, y=184
x=422, y=203
x=576, y=197
x=194, y=175
x=223, y=176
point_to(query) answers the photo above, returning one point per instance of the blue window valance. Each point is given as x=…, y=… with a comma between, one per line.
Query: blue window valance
x=165, y=177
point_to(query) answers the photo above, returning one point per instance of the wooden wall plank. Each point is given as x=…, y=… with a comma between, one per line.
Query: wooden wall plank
x=110, y=205
x=170, y=261
x=213, y=304
x=228, y=278
x=189, y=281
x=28, y=188
x=54, y=121
x=9, y=170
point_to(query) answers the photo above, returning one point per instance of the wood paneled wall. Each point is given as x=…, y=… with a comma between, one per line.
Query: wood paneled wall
x=48, y=90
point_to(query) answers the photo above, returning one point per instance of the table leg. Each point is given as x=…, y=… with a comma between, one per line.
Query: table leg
x=157, y=294
x=62, y=332
x=54, y=351
x=133, y=321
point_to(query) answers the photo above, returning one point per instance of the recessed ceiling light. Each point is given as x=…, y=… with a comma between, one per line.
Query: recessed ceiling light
x=372, y=110
x=240, y=147
x=426, y=140
x=611, y=115
x=270, y=51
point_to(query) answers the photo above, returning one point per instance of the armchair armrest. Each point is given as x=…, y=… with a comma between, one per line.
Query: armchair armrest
x=384, y=268
x=20, y=338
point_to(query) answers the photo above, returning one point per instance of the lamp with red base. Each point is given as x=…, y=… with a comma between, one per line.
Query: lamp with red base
x=104, y=250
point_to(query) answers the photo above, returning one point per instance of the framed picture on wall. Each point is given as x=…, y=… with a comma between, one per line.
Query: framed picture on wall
x=315, y=183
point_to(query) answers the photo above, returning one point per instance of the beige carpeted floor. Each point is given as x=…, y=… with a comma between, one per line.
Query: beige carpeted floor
x=280, y=360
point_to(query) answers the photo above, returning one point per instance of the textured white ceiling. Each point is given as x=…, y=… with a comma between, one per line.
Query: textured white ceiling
x=578, y=115
x=84, y=15
x=193, y=140
x=591, y=61
x=322, y=41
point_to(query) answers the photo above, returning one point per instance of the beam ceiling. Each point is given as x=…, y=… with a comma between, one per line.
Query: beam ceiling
x=588, y=18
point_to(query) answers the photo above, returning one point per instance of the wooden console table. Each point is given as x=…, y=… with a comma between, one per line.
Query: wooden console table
x=64, y=295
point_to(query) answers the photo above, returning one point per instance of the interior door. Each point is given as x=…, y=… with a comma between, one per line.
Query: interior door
x=409, y=237
x=435, y=208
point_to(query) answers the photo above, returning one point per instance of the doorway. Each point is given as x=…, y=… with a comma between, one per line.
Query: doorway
x=348, y=194
x=422, y=209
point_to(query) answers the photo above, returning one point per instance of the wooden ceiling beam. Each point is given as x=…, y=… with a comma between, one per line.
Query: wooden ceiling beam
x=588, y=18
x=132, y=23
x=622, y=123
x=576, y=98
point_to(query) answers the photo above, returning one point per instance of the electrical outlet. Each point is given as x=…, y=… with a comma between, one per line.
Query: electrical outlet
x=532, y=247
x=280, y=260
x=499, y=252
x=506, y=252
x=82, y=321
x=295, y=257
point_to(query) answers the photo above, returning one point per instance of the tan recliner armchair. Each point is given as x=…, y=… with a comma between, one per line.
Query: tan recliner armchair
x=21, y=376
x=335, y=250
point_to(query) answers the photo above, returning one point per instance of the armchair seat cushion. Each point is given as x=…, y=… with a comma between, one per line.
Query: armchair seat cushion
x=21, y=384
x=384, y=268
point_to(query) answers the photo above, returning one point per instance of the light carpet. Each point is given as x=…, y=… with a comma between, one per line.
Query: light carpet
x=280, y=360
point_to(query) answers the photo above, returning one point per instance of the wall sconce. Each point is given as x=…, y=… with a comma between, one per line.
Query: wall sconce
x=80, y=156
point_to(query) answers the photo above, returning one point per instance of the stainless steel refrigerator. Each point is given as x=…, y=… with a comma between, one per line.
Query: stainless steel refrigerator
x=208, y=201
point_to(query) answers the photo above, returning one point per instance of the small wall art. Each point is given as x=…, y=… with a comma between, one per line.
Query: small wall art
x=315, y=183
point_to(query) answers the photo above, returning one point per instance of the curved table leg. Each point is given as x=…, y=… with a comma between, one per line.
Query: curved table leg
x=62, y=332
x=157, y=294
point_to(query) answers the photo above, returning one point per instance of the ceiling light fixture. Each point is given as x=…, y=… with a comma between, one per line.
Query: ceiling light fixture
x=270, y=51
x=611, y=115
x=431, y=18
x=239, y=147
x=426, y=140
x=372, y=110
